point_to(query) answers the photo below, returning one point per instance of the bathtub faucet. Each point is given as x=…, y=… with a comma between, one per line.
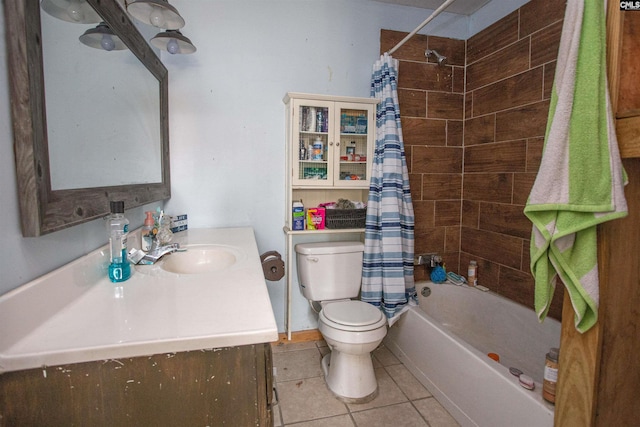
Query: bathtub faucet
x=430, y=259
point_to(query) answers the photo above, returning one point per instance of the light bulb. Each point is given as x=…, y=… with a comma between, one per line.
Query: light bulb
x=107, y=42
x=74, y=10
x=156, y=18
x=172, y=46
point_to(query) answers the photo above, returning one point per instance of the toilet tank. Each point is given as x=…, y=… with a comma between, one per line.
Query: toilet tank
x=329, y=270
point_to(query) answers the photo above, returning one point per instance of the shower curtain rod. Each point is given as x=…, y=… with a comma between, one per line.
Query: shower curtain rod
x=435, y=13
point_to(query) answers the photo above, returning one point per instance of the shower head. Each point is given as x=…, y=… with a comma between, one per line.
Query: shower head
x=441, y=58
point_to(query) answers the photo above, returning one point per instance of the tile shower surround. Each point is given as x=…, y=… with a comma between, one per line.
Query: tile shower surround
x=474, y=131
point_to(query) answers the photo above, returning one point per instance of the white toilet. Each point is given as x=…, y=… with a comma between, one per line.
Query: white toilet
x=330, y=273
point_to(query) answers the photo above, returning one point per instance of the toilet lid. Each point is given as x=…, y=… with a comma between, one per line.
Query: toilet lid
x=352, y=313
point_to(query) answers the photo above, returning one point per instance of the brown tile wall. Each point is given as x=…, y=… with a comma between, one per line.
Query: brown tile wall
x=432, y=107
x=474, y=131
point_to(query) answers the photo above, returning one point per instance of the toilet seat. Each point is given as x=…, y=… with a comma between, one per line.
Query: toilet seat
x=352, y=315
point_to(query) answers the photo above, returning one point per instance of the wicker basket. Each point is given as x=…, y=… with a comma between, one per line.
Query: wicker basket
x=345, y=218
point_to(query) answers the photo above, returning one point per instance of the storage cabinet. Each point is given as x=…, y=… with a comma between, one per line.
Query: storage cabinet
x=330, y=144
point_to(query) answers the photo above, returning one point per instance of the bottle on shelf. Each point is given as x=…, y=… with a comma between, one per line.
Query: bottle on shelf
x=311, y=120
x=118, y=229
x=298, y=215
x=318, y=149
x=302, y=150
x=310, y=152
x=320, y=120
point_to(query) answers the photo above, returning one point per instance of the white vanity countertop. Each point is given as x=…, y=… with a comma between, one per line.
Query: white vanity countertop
x=75, y=314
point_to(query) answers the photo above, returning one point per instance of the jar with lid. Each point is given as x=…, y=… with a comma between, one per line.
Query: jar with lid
x=550, y=375
x=318, y=150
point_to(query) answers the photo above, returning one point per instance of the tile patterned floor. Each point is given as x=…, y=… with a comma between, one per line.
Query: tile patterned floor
x=305, y=401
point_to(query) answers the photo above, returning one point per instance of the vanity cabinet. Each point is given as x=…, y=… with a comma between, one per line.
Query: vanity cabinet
x=226, y=386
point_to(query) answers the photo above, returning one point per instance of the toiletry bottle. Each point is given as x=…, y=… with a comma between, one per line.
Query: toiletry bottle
x=319, y=120
x=550, y=375
x=318, y=149
x=118, y=228
x=147, y=232
x=472, y=273
x=302, y=153
x=311, y=117
x=298, y=215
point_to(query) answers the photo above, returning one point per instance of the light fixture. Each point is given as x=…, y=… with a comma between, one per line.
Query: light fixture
x=78, y=11
x=173, y=42
x=101, y=37
x=158, y=13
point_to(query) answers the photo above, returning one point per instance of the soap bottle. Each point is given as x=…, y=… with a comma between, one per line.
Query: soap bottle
x=472, y=273
x=118, y=229
x=147, y=232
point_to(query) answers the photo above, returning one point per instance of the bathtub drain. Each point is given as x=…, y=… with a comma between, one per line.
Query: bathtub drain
x=426, y=291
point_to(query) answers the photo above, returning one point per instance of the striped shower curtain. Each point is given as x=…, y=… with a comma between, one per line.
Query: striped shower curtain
x=387, y=272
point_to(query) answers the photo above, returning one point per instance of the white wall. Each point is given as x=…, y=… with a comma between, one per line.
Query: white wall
x=226, y=110
x=227, y=119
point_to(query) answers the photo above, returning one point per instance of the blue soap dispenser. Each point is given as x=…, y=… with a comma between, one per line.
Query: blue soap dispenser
x=118, y=229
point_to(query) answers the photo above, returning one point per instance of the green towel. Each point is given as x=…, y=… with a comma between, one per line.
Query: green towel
x=581, y=180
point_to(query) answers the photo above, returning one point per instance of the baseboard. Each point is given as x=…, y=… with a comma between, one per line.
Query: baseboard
x=300, y=336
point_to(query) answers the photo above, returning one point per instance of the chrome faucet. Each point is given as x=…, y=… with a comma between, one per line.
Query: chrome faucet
x=430, y=259
x=156, y=252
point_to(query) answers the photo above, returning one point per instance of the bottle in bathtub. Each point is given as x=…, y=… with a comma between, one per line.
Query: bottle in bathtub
x=550, y=375
x=472, y=273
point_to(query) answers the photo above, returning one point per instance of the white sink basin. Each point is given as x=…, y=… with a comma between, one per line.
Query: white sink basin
x=198, y=259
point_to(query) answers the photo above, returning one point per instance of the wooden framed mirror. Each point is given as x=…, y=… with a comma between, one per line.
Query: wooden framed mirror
x=43, y=208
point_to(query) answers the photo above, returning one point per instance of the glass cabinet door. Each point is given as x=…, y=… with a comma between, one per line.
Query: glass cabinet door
x=353, y=145
x=332, y=144
x=313, y=126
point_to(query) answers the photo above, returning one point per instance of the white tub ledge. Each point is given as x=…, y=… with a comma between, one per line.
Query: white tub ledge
x=75, y=314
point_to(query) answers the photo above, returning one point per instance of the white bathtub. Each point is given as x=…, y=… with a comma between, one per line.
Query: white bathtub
x=444, y=342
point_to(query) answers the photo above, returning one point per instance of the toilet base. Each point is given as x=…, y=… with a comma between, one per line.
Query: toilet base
x=349, y=377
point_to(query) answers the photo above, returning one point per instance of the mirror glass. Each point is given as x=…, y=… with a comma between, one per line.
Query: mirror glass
x=103, y=121
x=89, y=126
